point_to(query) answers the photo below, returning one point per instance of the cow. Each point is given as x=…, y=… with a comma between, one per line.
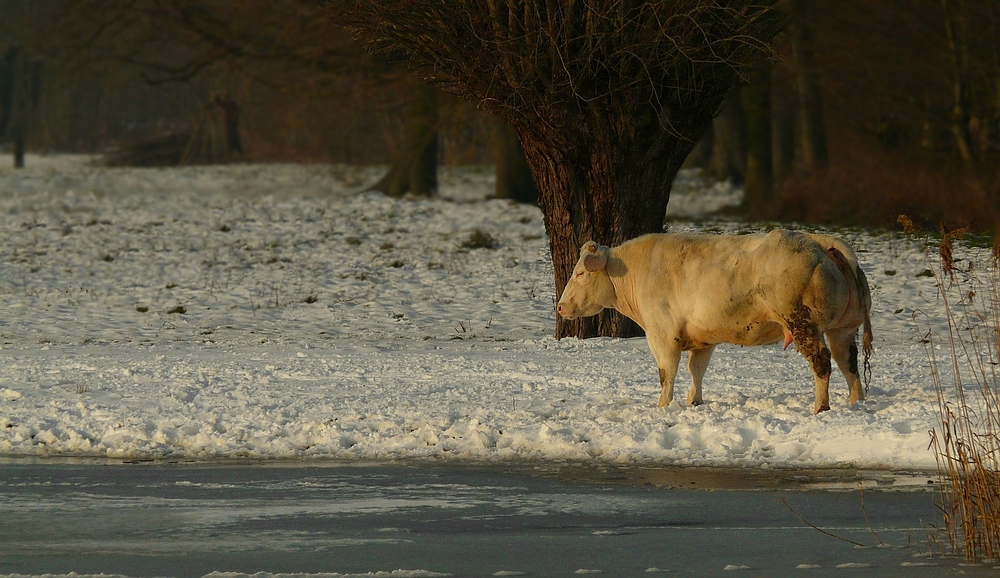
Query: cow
x=690, y=292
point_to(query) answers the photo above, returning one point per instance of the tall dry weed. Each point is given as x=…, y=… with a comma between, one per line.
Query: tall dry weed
x=967, y=441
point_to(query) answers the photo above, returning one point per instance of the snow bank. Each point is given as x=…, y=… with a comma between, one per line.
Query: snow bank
x=275, y=312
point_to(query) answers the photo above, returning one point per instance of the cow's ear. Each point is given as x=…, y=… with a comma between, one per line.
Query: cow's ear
x=588, y=247
x=595, y=258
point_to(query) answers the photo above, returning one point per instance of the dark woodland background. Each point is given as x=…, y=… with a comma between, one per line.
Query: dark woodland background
x=872, y=108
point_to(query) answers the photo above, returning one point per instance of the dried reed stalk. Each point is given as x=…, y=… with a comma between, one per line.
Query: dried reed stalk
x=967, y=442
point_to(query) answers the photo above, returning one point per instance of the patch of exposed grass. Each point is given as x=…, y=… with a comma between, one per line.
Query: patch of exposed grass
x=480, y=239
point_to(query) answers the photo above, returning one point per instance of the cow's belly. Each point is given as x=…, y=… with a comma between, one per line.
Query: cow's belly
x=746, y=333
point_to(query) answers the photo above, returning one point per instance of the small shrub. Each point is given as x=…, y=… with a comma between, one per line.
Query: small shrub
x=354, y=241
x=179, y=309
x=141, y=308
x=480, y=239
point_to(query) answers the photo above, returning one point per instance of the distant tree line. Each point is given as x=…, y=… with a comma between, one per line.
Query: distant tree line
x=175, y=82
x=870, y=108
x=875, y=108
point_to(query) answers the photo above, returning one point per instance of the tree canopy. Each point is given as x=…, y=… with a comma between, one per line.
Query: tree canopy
x=527, y=60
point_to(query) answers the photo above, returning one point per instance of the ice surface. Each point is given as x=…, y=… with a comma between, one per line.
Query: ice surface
x=375, y=574
x=275, y=311
x=190, y=520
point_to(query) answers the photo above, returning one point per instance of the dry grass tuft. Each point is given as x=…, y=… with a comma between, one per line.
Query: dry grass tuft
x=480, y=239
x=908, y=226
x=967, y=442
x=945, y=250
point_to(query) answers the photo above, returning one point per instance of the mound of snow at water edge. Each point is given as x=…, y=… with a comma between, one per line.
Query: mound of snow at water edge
x=275, y=311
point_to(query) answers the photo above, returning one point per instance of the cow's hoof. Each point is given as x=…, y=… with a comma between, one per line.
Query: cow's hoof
x=821, y=409
x=695, y=402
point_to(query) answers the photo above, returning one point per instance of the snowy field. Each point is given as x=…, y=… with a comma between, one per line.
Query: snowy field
x=273, y=311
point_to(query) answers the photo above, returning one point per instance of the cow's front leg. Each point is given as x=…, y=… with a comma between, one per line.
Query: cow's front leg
x=668, y=357
x=697, y=364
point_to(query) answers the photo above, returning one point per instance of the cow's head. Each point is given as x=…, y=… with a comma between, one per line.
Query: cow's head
x=589, y=289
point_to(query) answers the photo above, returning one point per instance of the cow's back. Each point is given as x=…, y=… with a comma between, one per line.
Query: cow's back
x=725, y=288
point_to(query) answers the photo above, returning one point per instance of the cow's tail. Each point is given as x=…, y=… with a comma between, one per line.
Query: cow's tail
x=865, y=296
x=853, y=272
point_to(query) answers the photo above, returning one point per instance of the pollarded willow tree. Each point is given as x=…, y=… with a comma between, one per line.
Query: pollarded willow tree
x=607, y=96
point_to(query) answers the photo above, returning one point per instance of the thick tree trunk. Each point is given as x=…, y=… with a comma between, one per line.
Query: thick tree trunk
x=609, y=189
x=514, y=179
x=812, y=129
x=758, y=195
x=414, y=169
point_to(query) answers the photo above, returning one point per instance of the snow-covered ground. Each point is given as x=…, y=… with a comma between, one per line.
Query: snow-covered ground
x=273, y=311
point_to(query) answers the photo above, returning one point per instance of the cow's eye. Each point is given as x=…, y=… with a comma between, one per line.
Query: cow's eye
x=579, y=274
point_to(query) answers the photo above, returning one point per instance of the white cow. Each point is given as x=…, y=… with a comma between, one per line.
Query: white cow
x=692, y=292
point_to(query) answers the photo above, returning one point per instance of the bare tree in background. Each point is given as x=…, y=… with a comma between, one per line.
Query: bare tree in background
x=606, y=96
x=811, y=123
x=758, y=186
x=20, y=89
x=282, y=45
x=414, y=168
x=218, y=63
x=729, y=142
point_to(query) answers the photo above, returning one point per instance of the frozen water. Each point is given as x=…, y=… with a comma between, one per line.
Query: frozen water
x=294, y=520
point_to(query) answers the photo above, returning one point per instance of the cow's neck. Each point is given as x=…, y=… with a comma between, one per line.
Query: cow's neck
x=624, y=283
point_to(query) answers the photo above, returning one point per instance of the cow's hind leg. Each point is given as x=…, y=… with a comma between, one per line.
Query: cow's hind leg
x=844, y=348
x=809, y=341
x=697, y=364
